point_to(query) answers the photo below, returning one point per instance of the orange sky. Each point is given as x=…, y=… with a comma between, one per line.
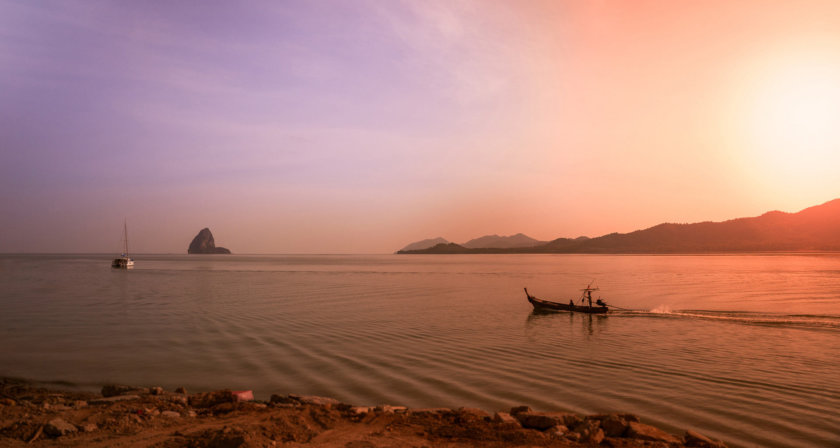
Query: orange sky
x=364, y=126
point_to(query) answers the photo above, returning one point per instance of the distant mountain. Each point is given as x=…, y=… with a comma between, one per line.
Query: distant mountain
x=502, y=242
x=425, y=244
x=204, y=243
x=815, y=228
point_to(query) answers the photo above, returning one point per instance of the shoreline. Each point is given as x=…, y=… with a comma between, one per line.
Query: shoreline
x=126, y=416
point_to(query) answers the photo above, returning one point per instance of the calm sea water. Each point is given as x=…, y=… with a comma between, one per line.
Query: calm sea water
x=742, y=348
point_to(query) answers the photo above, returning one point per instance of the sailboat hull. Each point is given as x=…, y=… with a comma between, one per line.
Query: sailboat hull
x=122, y=263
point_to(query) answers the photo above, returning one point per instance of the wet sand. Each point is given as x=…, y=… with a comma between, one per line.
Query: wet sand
x=124, y=416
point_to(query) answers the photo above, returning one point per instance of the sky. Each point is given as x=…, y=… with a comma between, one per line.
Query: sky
x=356, y=126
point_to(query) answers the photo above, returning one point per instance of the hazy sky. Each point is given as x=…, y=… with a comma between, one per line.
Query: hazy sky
x=361, y=126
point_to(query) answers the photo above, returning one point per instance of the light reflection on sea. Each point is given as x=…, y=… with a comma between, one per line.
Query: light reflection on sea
x=744, y=348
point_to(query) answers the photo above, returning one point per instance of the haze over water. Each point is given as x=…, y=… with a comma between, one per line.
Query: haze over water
x=741, y=348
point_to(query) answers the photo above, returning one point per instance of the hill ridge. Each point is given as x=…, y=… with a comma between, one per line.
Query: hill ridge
x=815, y=228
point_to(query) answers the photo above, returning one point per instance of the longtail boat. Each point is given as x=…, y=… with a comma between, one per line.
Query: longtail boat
x=547, y=305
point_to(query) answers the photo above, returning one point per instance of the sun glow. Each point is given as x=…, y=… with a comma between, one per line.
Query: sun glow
x=795, y=129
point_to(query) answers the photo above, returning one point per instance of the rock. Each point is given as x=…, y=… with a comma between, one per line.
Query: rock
x=156, y=390
x=315, y=400
x=388, y=409
x=614, y=426
x=181, y=390
x=518, y=409
x=473, y=413
x=558, y=431
x=58, y=427
x=7, y=402
x=636, y=430
x=281, y=399
x=112, y=390
x=505, y=419
x=224, y=408
x=360, y=410
x=571, y=420
x=243, y=395
x=170, y=414
x=211, y=399
x=694, y=439
x=595, y=437
x=203, y=243
x=590, y=431
x=430, y=411
x=540, y=420
x=78, y=404
x=89, y=427
x=114, y=399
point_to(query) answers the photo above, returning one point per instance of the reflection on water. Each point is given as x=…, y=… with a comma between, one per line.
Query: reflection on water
x=743, y=348
x=588, y=323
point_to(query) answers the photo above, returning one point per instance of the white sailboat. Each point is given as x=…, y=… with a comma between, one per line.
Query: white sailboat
x=123, y=261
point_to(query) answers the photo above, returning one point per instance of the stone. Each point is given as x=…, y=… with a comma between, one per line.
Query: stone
x=170, y=414
x=641, y=431
x=88, y=427
x=211, y=399
x=58, y=427
x=360, y=410
x=7, y=402
x=474, y=413
x=112, y=390
x=281, y=399
x=614, y=426
x=571, y=420
x=315, y=400
x=518, y=409
x=558, y=431
x=78, y=404
x=203, y=243
x=590, y=431
x=243, y=395
x=540, y=420
x=181, y=390
x=595, y=437
x=505, y=419
x=114, y=399
x=430, y=411
x=388, y=409
x=157, y=390
x=694, y=439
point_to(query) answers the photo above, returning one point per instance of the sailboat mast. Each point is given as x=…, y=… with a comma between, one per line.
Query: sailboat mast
x=125, y=236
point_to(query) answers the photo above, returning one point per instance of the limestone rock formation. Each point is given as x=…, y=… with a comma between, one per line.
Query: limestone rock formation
x=203, y=243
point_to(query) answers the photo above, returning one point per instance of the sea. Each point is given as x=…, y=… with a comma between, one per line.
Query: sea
x=742, y=348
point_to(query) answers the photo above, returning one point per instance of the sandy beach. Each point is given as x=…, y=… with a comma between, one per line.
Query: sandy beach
x=125, y=416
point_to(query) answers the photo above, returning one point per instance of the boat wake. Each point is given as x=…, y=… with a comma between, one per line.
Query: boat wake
x=826, y=322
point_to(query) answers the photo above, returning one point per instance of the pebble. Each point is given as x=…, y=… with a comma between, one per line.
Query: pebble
x=113, y=399
x=57, y=427
x=505, y=418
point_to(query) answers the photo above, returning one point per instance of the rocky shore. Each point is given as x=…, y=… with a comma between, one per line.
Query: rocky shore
x=123, y=416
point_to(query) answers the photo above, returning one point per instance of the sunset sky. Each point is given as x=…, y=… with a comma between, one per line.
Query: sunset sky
x=361, y=126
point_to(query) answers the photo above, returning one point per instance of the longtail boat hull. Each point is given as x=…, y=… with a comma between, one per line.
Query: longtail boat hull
x=547, y=305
